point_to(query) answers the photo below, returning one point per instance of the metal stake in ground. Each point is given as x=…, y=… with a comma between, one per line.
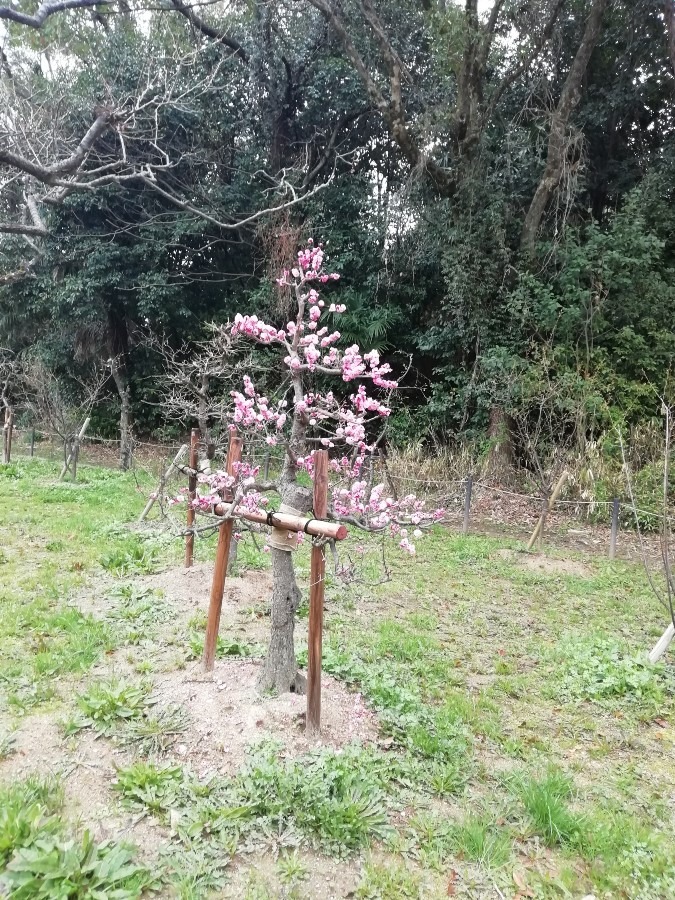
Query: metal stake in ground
x=192, y=494
x=316, y=594
x=220, y=568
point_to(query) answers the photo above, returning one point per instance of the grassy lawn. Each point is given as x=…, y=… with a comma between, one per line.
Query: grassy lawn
x=524, y=748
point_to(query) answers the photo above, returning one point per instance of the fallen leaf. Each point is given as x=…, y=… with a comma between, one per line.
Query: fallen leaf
x=521, y=883
x=661, y=723
x=452, y=890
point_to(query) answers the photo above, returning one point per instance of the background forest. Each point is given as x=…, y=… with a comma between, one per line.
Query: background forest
x=493, y=181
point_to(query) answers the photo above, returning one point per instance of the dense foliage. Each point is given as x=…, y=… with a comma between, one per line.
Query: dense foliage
x=426, y=197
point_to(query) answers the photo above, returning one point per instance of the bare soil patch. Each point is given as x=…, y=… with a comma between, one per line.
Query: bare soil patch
x=228, y=715
x=547, y=565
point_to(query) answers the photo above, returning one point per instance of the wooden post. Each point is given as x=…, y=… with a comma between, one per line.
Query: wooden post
x=69, y=455
x=316, y=594
x=192, y=493
x=220, y=568
x=549, y=506
x=162, y=482
x=615, y=528
x=32, y=441
x=467, y=504
x=76, y=456
x=266, y=472
x=7, y=435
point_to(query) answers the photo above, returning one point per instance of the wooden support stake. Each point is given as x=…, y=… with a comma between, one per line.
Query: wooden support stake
x=69, y=455
x=220, y=568
x=467, y=504
x=162, y=482
x=615, y=528
x=317, y=574
x=32, y=442
x=551, y=503
x=662, y=644
x=192, y=493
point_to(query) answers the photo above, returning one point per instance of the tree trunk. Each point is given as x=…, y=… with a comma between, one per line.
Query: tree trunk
x=500, y=462
x=557, y=146
x=279, y=673
x=126, y=434
x=280, y=669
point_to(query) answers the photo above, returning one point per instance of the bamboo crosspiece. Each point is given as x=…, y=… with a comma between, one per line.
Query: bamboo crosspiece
x=220, y=568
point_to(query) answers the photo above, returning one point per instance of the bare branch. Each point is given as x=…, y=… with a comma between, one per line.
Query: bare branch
x=46, y=10
x=209, y=31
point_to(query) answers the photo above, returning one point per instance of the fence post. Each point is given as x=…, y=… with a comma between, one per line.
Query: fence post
x=615, y=528
x=32, y=441
x=542, y=526
x=317, y=573
x=220, y=567
x=192, y=493
x=76, y=456
x=467, y=504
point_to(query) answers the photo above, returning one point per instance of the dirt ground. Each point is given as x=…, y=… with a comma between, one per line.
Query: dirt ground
x=224, y=712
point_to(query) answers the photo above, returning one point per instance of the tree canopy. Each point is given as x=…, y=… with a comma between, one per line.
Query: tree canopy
x=496, y=179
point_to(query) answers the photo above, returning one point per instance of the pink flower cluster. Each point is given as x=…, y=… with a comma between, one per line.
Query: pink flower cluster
x=255, y=328
x=253, y=410
x=309, y=267
x=376, y=511
x=354, y=365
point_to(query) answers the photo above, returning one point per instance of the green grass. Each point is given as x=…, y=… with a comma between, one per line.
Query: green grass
x=520, y=727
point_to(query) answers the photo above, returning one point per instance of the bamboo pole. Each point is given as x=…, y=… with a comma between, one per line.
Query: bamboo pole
x=662, y=644
x=335, y=530
x=192, y=494
x=551, y=503
x=71, y=453
x=317, y=573
x=162, y=482
x=220, y=568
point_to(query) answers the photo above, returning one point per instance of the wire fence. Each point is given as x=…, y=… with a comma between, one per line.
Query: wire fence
x=470, y=503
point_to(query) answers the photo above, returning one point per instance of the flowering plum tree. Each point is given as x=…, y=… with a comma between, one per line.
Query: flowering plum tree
x=300, y=418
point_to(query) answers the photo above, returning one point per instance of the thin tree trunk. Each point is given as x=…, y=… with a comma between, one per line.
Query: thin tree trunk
x=557, y=147
x=279, y=673
x=126, y=434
